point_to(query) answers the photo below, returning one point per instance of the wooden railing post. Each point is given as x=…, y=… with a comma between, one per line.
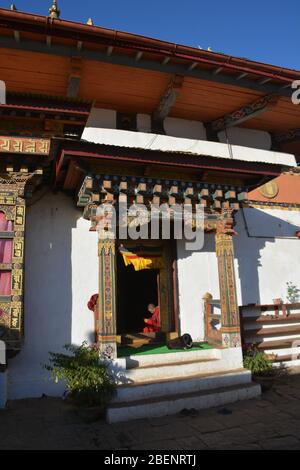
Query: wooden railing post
x=212, y=331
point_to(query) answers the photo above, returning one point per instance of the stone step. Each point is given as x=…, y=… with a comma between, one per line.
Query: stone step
x=154, y=360
x=173, y=404
x=176, y=370
x=167, y=387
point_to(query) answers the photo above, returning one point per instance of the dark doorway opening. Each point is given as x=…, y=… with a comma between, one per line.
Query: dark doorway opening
x=135, y=290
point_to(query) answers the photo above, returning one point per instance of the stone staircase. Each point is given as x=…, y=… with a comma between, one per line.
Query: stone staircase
x=164, y=384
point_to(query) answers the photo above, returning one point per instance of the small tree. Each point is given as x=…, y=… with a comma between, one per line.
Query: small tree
x=87, y=380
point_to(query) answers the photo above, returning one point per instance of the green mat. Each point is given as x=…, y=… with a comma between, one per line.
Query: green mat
x=124, y=351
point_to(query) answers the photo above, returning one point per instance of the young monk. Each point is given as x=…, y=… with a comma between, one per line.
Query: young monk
x=153, y=323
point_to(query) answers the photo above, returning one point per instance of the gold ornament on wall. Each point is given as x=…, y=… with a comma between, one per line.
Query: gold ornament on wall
x=269, y=190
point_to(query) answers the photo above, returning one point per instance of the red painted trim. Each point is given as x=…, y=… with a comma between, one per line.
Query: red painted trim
x=58, y=165
x=44, y=109
x=174, y=279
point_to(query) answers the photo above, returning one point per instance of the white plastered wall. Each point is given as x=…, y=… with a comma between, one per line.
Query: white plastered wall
x=182, y=128
x=263, y=265
x=246, y=137
x=197, y=274
x=61, y=274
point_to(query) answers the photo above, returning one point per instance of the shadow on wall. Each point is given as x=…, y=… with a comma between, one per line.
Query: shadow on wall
x=48, y=294
x=198, y=272
x=249, y=244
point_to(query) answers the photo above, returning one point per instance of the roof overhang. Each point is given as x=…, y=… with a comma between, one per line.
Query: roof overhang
x=178, y=145
x=208, y=162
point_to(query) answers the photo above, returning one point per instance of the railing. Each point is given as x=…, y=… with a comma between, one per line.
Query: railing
x=212, y=318
x=274, y=328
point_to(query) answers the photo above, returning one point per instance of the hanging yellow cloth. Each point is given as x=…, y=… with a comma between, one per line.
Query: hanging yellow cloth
x=144, y=261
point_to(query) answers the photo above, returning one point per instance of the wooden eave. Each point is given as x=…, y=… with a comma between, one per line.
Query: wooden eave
x=75, y=159
x=218, y=84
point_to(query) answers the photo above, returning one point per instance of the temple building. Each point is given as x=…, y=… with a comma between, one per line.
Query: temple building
x=90, y=115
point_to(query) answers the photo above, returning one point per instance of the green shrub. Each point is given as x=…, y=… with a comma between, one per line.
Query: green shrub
x=292, y=293
x=87, y=380
x=257, y=361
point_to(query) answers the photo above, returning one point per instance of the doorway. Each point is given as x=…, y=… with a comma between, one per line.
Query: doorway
x=135, y=290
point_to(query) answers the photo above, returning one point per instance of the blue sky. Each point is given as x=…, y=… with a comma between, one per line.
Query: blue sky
x=264, y=30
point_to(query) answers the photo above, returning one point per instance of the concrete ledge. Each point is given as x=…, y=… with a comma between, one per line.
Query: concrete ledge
x=174, y=404
x=165, y=388
x=165, y=143
x=152, y=360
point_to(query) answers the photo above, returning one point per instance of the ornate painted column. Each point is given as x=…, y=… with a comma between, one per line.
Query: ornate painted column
x=230, y=321
x=107, y=328
x=14, y=187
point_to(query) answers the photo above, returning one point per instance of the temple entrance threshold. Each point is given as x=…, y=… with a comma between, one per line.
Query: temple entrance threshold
x=146, y=349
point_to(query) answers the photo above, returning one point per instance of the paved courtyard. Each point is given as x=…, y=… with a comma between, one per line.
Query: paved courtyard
x=270, y=422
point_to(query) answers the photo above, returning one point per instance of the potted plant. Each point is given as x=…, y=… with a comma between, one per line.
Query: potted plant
x=260, y=365
x=292, y=295
x=88, y=382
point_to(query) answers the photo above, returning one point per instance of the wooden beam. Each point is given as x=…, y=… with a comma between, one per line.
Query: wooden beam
x=211, y=134
x=245, y=113
x=265, y=80
x=149, y=191
x=74, y=176
x=73, y=87
x=290, y=136
x=193, y=66
x=218, y=195
x=217, y=71
x=241, y=76
x=161, y=66
x=74, y=78
x=17, y=36
x=139, y=55
x=168, y=99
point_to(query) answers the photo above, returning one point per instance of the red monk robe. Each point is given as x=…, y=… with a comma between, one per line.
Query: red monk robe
x=93, y=306
x=153, y=323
